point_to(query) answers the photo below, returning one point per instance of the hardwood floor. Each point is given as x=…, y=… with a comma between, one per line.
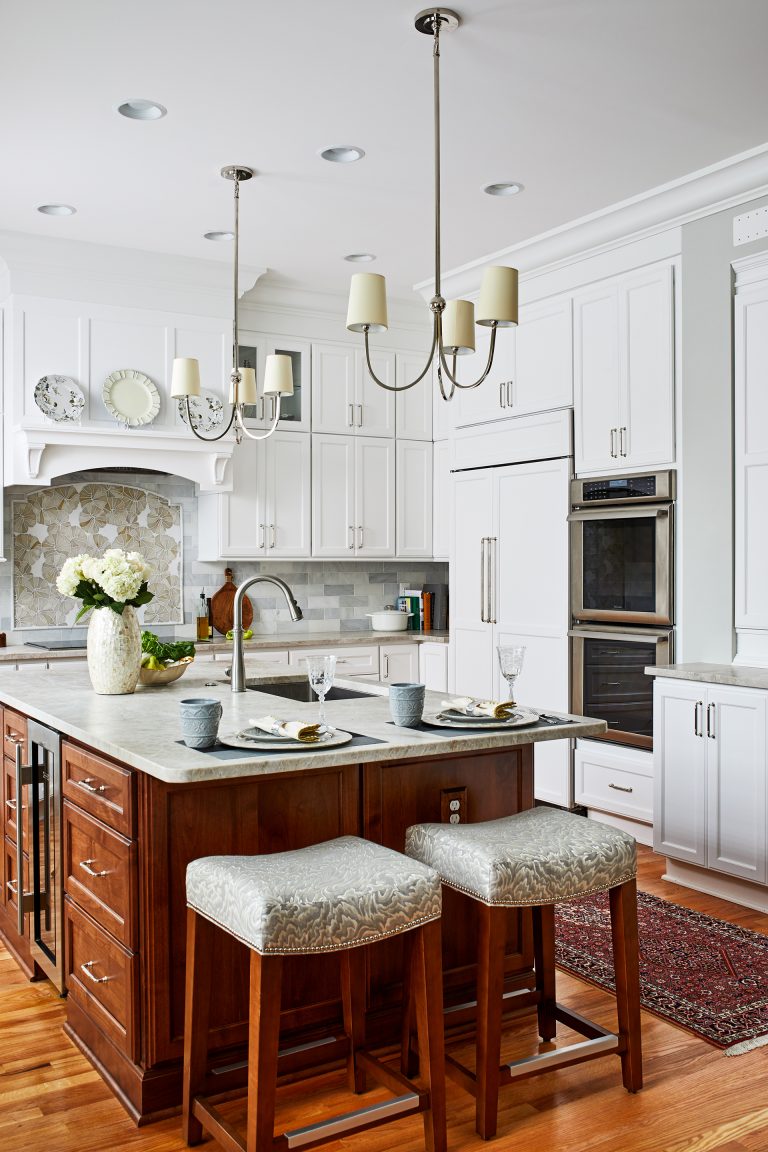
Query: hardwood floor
x=695, y=1099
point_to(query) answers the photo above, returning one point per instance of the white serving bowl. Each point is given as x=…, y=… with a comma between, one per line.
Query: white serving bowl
x=389, y=620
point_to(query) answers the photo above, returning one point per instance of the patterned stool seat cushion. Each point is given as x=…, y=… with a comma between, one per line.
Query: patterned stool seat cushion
x=329, y=896
x=539, y=856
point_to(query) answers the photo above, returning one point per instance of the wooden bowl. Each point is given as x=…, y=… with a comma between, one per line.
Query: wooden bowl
x=155, y=676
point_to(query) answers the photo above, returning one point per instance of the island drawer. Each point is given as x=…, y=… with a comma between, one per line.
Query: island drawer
x=100, y=873
x=10, y=805
x=14, y=732
x=10, y=897
x=102, y=979
x=104, y=789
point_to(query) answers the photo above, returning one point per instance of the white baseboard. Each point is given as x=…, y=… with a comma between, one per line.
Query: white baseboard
x=716, y=884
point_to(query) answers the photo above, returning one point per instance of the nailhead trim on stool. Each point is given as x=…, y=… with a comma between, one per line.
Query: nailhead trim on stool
x=533, y=860
x=336, y=896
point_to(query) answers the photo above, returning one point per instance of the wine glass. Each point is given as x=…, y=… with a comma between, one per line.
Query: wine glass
x=511, y=664
x=320, y=670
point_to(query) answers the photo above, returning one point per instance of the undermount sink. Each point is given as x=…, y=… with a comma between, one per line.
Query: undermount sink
x=300, y=690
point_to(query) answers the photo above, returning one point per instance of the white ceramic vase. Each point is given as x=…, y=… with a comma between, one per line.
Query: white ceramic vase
x=114, y=651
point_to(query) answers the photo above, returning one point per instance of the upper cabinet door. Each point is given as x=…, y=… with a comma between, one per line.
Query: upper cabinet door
x=414, y=498
x=374, y=496
x=333, y=507
x=414, y=406
x=333, y=388
x=493, y=398
x=544, y=357
x=596, y=378
x=647, y=355
x=287, y=485
x=295, y=410
x=374, y=406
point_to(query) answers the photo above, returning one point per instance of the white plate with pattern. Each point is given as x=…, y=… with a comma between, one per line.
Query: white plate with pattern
x=206, y=411
x=256, y=740
x=131, y=397
x=520, y=717
x=59, y=398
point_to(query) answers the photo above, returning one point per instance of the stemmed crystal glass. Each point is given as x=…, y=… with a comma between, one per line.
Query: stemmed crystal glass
x=321, y=670
x=511, y=664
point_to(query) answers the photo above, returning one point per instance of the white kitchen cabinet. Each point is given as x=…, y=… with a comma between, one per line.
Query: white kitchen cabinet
x=345, y=399
x=543, y=375
x=413, y=407
x=493, y=398
x=352, y=660
x=616, y=785
x=509, y=585
x=413, y=470
x=353, y=496
x=267, y=515
x=442, y=498
x=624, y=372
x=710, y=744
x=433, y=666
x=751, y=460
x=294, y=410
x=399, y=663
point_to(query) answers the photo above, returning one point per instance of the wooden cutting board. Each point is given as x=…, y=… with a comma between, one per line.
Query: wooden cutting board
x=223, y=606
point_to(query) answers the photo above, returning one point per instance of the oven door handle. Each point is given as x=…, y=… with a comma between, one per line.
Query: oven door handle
x=646, y=512
x=660, y=637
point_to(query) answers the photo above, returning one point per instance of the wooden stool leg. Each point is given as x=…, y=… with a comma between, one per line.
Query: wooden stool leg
x=409, y=1063
x=353, y=999
x=544, y=952
x=626, y=960
x=427, y=985
x=263, y=1039
x=490, y=990
x=200, y=945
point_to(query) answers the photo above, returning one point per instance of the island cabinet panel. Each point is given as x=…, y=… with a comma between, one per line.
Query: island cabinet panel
x=476, y=787
x=102, y=979
x=100, y=787
x=100, y=874
x=180, y=823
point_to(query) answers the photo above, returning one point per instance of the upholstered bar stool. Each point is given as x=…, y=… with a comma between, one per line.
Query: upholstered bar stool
x=336, y=896
x=536, y=859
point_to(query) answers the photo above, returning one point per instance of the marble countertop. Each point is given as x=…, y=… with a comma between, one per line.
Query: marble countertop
x=142, y=729
x=18, y=653
x=738, y=676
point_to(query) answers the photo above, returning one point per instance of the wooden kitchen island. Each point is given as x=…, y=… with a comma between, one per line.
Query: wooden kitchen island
x=138, y=806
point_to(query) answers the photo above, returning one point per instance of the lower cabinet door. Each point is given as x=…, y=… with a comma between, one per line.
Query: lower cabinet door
x=102, y=979
x=735, y=728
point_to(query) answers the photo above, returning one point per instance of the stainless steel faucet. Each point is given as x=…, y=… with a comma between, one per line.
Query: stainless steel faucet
x=238, y=662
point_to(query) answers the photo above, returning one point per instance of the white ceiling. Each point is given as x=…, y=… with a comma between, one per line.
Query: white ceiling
x=586, y=102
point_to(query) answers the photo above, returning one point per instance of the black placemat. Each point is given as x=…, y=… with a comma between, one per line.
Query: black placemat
x=473, y=729
x=222, y=752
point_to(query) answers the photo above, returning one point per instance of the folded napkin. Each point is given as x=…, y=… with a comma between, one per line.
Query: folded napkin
x=306, y=733
x=471, y=707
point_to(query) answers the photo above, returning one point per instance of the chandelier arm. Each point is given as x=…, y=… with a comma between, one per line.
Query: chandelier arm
x=440, y=381
x=402, y=387
x=209, y=439
x=242, y=428
x=478, y=382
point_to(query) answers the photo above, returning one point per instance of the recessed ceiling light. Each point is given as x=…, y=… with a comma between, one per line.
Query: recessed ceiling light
x=343, y=154
x=360, y=257
x=142, y=110
x=57, y=209
x=505, y=188
x=219, y=235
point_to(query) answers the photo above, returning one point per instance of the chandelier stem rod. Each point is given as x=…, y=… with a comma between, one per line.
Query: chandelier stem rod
x=235, y=333
x=436, y=87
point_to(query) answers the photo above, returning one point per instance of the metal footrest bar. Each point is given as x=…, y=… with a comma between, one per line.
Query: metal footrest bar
x=361, y=1118
x=560, y=1057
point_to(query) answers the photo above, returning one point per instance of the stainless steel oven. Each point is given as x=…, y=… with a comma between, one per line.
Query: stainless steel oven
x=40, y=782
x=622, y=549
x=608, y=680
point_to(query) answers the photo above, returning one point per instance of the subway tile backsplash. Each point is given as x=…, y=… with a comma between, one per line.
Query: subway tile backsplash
x=334, y=595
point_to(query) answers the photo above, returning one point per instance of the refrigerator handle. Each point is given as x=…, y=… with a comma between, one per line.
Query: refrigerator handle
x=482, y=580
x=493, y=595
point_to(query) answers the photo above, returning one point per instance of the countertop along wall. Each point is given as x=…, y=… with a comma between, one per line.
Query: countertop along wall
x=334, y=595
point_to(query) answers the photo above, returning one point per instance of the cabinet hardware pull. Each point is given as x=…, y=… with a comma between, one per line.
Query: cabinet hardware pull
x=14, y=738
x=13, y=885
x=510, y=400
x=20, y=768
x=261, y=408
x=386, y=667
x=86, y=968
x=613, y=443
x=492, y=584
x=359, y=535
x=711, y=722
x=620, y=788
x=273, y=408
x=482, y=580
x=697, y=718
x=359, y=415
x=88, y=785
x=351, y=537
x=622, y=433
x=502, y=395
x=351, y=415
x=262, y=539
x=272, y=536
x=85, y=865
x=11, y=804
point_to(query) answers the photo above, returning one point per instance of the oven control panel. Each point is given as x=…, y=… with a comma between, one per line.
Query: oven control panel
x=623, y=489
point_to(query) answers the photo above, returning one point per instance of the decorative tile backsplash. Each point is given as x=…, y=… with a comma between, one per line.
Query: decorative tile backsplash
x=52, y=524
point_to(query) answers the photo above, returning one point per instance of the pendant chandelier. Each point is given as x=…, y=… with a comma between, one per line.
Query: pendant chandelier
x=278, y=373
x=452, y=322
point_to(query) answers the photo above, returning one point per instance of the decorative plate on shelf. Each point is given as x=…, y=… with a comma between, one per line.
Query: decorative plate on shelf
x=206, y=410
x=256, y=740
x=450, y=719
x=59, y=398
x=131, y=397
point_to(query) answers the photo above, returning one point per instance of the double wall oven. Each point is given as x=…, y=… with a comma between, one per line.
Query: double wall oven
x=622, y=598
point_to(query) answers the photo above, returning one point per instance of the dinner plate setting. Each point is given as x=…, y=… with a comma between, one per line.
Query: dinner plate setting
x=451, y=718
x=257, y=740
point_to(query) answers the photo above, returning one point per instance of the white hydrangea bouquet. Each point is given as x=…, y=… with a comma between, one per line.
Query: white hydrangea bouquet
x=110, y=581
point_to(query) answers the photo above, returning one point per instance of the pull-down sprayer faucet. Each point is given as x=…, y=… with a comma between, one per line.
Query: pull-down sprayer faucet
x=238, y=662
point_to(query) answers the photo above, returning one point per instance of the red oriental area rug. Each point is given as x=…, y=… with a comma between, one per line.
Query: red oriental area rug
x=702, y=974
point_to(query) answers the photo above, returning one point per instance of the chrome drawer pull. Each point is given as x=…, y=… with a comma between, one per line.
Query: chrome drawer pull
x=11, y=804
x=14, y=738
x=620, y=788
x=13, y=886
x=85, y=865
x=87, y=784
x=96, y=979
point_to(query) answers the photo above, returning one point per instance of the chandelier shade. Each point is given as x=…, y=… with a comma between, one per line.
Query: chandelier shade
x=459, y=327
x=185, y=378
x=498, y=298
x=278, y=375
x=367, y=311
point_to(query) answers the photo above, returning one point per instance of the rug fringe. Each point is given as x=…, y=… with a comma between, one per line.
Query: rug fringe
x=746, y=1046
